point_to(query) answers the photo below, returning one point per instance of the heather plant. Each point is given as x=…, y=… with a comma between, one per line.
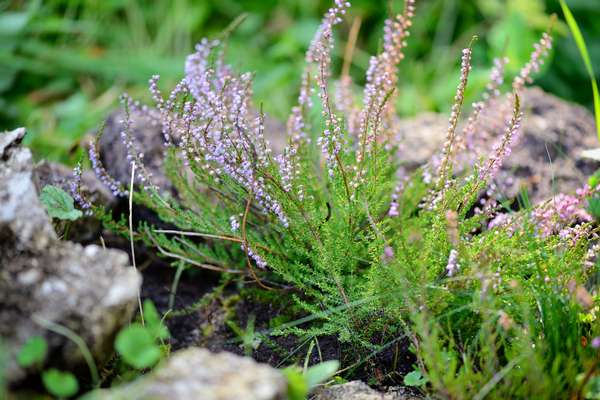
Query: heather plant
x=493, y=301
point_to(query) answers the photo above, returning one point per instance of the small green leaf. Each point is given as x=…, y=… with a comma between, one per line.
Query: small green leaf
x=415, y=378
x=594, y=180
x=320, y=373
x=60, y=384
x=59, y=203
x=297, y=387
x=153, y=321
x=32, y=352
x=137, y=347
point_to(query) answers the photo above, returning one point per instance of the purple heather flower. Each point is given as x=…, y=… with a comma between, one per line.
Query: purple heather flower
x=115, y=186
x=234, y=223
x=75, y=189
x=260, y=262
x=596, y=342
x=453, y=266
x=207, y=116
x=591, y=255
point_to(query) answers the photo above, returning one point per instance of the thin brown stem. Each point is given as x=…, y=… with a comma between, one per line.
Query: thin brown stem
x=209, y=236
x=246, y=247
x=350, y=46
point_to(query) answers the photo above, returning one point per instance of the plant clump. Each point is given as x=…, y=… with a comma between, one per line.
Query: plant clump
x=491, y=301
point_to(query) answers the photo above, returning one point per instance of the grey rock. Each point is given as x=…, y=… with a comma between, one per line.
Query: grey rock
x=197, y=373
x=546, y=160
x=23, y=221
x=358, y=390
x=89, y=290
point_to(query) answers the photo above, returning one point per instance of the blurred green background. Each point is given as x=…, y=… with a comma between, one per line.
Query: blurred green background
x=63, y=63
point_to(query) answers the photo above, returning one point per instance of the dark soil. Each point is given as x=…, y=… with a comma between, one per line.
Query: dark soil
x=204, y=323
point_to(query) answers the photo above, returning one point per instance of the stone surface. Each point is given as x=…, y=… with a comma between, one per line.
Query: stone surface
x=547, y=158
x=197, y=373
x=358, y=390
x=20, y=225
x=89, y=290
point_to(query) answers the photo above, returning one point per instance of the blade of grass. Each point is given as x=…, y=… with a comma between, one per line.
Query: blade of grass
x=579, y=40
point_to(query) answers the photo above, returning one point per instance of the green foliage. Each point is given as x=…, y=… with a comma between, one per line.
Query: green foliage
x=415, y=378
x=153, y=322
x=32, y=352
x=137, y=346
x=301, y=383
x=59, y=204
x=594, y=207
x=321, y=372
x=60, y=384
x=250, y=339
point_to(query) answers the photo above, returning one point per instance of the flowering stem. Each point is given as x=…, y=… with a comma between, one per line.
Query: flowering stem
x=246, y=247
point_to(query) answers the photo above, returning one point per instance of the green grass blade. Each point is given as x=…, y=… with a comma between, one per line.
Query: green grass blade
x=586, y=59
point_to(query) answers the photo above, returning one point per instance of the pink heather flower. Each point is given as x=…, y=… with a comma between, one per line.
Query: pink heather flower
x=388, y=253
x=453, y=266
x=537, y=59
x=500, y=220
x=208, y=114
x=330, y=142
x=449, y=144
x=393, y=211
x=557, y=214
x=470, y=131
x=319, y=54
x=591, y=256
x=381, y=79
x=503, y=148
